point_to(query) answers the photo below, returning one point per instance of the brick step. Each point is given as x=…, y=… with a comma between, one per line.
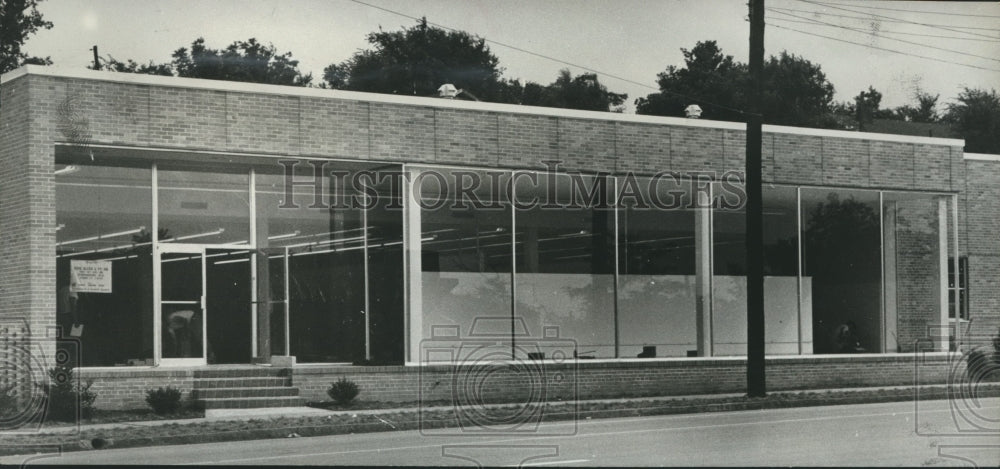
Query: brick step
x=246, y=382
x=258, y=372
x=252, y=402
x=226, y=393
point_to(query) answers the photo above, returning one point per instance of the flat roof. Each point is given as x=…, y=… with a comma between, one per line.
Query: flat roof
x=243, y=87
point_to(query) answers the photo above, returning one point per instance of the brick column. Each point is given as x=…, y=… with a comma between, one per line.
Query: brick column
x=27, y=213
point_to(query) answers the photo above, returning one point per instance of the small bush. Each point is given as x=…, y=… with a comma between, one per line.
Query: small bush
x=164, y=400
x=9, y=405
x=65, y=396
x=343, y=391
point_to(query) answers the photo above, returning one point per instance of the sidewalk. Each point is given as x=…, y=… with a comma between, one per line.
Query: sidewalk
x=698, y=403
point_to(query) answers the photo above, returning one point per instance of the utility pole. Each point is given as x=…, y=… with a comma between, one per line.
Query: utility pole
x=756, y=383
x=97, y=61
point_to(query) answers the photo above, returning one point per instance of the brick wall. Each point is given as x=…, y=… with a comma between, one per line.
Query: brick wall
x=126, y=389
x=980, y=235
x=27, y=210
x=918, y=272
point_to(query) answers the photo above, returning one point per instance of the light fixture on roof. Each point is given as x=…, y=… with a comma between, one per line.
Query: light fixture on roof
x=448, y=91
x=693, y=111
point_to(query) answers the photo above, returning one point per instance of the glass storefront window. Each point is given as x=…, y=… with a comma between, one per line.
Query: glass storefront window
x=565, y=259
x=324, y=246
x=657, y=291
x=203, y=206
x=465, y=257
x=787, y=318
x=841, y=252
x=104, y=268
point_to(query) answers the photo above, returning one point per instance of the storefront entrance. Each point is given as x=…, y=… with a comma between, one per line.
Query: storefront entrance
x=204, y=306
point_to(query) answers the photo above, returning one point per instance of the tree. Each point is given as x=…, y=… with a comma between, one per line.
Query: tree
x=583, y=92
x=130, y=66
x=925, y=111
x=976, y=116
x=798, y=91
x=708, y=78
x=248, y=61
x=418, y=60
x=866, y=107
x=19, y=19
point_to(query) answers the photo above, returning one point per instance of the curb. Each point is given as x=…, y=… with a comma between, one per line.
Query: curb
x=577, y=410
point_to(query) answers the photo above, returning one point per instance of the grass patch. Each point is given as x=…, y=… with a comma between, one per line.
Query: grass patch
x=99, y=416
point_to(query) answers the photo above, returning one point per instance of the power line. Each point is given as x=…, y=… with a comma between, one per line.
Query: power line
x=882, y=31
x=536, y=54
x=915, y=11
x=885, y=49
x=823, y=23
x=901, y=20
x=869, y=18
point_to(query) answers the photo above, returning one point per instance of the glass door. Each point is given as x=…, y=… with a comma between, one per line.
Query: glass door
x=180, y=305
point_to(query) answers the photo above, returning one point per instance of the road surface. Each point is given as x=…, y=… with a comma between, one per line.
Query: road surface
x=887, y=434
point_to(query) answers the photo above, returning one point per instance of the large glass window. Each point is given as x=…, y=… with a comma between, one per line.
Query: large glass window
x=787, y=319
x=104, y=283
x=565, y=259
x=465, y=256
x=203, y=205
x=841, y=252
x=657, y=291
x=324, y=246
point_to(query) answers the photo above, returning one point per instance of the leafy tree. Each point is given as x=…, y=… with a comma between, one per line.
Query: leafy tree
x=248, y=61
x=418, y=60
x=797, y=91
x=925, y=110
x=19, y=19
x=976, y=116
x=866, y=107
x=130, y=66
x=708, y=77
x=584, y=92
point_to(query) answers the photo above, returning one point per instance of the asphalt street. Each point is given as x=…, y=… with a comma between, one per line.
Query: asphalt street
x=929, y=433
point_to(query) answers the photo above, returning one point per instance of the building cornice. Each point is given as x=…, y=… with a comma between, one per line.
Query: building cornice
x=243, y=87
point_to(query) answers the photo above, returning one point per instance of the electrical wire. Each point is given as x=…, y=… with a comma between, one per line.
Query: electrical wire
x=536, y=54
x=946, y=28
x=882, y=31
x=885, y=49
x=862, y=31
x=856, y=5
x=869, y=18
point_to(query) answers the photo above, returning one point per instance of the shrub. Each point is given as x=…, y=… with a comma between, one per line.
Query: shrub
x=9, y=405
x=164, y=400
x=343, y=391
x=65, y=396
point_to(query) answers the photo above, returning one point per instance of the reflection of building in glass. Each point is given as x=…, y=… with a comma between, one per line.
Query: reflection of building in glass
x=249, y=262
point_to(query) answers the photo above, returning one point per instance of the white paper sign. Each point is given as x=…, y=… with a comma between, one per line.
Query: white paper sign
x=92, y=276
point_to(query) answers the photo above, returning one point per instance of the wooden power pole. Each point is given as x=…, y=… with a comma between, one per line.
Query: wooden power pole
x=756, y=384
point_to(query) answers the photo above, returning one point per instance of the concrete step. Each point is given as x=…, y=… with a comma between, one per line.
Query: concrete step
x=243, y=382
x=252, y=402
x=259, y=372
x=229, y=393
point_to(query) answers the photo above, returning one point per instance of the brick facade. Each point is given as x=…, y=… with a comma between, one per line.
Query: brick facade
x=41, y=109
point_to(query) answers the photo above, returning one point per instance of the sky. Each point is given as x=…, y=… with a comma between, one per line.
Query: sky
x=628, y=39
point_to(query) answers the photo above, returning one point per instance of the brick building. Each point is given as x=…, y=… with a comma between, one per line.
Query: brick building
x=200, y=229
